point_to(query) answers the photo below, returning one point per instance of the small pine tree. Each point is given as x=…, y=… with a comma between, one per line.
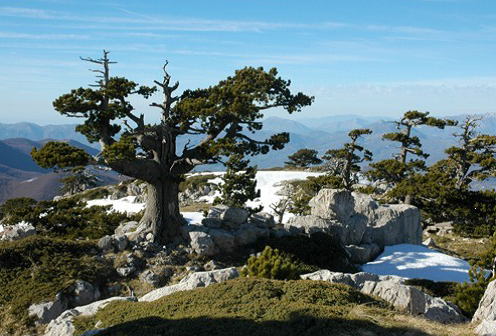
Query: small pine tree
x=79, y=180
x=394, y=170
x=475, y=158
x=238, y=183
x=271, y=265
x=62, y=157
x=344, y=162
x=303, y=158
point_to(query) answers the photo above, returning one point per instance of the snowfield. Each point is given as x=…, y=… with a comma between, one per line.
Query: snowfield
x=267, y=181
x=418, y=261
x=405, y=260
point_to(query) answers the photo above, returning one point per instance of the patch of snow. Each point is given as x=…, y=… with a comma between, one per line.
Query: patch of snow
x=30, y=180
x=269, y=184
x=193, y=217
x=124, y=204
x=1, y=228
x=267, y=181
x=418, y=261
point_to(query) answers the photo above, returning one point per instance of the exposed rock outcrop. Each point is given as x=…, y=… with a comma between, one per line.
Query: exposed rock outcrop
x=64, y=324
x=360, y=223
x=191, y=281
x=393, y=290
x=78, y=294
x=485, y=316
x=225, y=227
x=17, y=231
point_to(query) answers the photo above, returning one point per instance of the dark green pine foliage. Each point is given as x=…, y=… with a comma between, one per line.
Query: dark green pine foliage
x=303, y=158
x=394, y=170
x=69, y=160
x=344, y=162
x=475, y=158
x=271, y=264
x=223, y=116
x=238, y=183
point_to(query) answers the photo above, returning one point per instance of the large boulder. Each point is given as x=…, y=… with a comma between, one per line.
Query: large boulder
x=230, y=217
x=47, y=311
x=393, y=290
x=224, y=240
x=414, y=301
x=357, y=219
x=337, y=204
x=393, y=225
x=202, y=243
x=81, y=293
x=485, y=315
x=362, y=254
x=64, y=324
x=193, y=280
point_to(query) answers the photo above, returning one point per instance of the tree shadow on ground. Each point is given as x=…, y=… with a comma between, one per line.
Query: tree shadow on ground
x=298, y=325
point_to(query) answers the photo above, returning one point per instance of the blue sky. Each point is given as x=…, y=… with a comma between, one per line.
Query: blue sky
x=367, y=57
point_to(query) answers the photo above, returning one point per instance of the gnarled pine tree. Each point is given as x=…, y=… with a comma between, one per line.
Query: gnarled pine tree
x=475, y=158
x=344, y=162
x=394, y=170
x=149, y=152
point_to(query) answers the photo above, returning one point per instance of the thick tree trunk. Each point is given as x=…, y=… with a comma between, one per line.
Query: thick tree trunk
x=162, y=217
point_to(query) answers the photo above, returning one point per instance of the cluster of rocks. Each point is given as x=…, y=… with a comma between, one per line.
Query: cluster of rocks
x=137, y=189
x=485, y=316
x=78, y=294
x=440, y=229
x=192, y=195
x=225, y=228
x=360, y=223
x=17, y=231
x=393, y=290
x=64, y=323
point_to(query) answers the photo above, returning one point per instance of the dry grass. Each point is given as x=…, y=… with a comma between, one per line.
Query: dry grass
x=390, y=319
x=461, y=247
x=196, y=207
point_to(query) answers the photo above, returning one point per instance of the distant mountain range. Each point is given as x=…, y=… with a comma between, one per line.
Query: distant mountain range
x=16, y=165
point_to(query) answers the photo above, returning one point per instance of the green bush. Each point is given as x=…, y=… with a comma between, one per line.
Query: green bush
x=66, y=218
x=305, y=190
x=34, y=269
x=270, y=264
x=468, y=295
x=15, y=209
x=246, y=306
x=195, y=182
x=310, y=253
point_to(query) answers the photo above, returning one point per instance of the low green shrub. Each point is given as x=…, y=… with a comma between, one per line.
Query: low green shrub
x=270, y=264
x=246, y=306
x=310, y=253
x=34, y=269
x=66, y=218
x=468, y=295
x=195, y=181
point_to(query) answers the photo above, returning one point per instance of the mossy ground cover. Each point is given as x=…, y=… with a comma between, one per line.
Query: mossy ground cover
x=249, y=306
x=34, y=269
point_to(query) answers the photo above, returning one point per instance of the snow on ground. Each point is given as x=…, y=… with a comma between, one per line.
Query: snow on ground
x=30, y=180
x=405, y=260
x=124, y=204
x=267, y=181
x=418, y=261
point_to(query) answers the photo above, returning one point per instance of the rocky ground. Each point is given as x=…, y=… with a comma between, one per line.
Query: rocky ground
x=216, y=246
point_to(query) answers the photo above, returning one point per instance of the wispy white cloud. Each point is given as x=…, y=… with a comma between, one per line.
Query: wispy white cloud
x=23, y=36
